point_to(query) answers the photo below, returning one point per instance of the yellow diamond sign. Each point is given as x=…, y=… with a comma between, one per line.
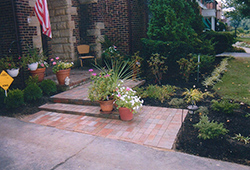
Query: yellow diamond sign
x=5, y=80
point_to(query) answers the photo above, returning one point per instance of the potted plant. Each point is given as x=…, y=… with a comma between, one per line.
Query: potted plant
x=42, y=65
x=127, y=102
x=104, y=84
x=102, y=89
x=61, y=69
x=11, y=65
x=31, y=58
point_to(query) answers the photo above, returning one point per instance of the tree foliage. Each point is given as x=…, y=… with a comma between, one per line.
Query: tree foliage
x=171, y=20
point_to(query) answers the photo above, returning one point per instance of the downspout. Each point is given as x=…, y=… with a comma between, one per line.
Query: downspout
x=16, y=28
x=130, y=27
x=19, y=51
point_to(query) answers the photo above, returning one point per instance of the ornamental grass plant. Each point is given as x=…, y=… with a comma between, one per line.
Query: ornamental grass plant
x=103, y=86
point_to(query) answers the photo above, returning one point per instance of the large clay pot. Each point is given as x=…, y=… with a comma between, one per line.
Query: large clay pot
x=125, y=113
x=13, y=72
x=106, y=106
x=33, y=66
x=61, y=75
x=39, y=72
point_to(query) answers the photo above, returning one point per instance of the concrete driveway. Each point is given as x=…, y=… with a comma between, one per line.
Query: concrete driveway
x=27, y=146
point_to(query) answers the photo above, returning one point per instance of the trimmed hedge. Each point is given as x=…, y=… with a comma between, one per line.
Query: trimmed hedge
x=223, y=41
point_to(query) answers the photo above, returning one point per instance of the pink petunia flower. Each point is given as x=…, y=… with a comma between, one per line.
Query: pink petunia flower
x=127, y=89
x=107, y=75
x=100, y=75
x=51, y=59
x=93, y=74
x=19, y=57
x=54, y=63
x=91, y=70
x=119, y=95
x=57, y=58
x=42, y=65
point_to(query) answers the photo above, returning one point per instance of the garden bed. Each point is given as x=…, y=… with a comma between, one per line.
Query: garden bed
x=222, y=148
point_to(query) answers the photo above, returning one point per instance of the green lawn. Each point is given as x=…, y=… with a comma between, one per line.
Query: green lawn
x=246, y=40
x=236, y=81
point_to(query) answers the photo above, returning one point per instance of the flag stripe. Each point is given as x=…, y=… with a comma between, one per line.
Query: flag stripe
x=42, y=13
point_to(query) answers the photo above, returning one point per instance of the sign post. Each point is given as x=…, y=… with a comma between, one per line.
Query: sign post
x=5, y=81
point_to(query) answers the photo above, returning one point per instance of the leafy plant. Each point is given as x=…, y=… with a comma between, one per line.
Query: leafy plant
x=187, y=66
x=14, y=99
x=32, y=92
x=224, y=106
x=241, y=138
x=216, y=74
x=209, y=130
x=10, y=62
x=202, y=110
x=161, y=93
x=48, y=87
x=177, y=102
x=31, y=80
x=158, y=67
x=194, y=95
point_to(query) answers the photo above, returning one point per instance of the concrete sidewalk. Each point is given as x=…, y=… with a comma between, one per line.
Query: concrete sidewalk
x=28, y=146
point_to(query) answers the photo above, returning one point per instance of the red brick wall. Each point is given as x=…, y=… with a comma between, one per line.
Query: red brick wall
x=7, y=27
x=123, y=28
x=26, y=32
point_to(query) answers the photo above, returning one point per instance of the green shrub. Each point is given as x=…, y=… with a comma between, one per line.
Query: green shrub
x=157, y=65
x=202, y=110
x=224, y=106
x=2, y=97
x=222, y=40
x=48, y=87
x=32, y=92
x=31, y=80
x=14, y=99
x=177, y=102
x=160, y=92
x=206, y=61
x=187, y=66
x=209, y=130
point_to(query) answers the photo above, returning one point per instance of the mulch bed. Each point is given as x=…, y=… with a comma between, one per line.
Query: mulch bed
x=221, y=148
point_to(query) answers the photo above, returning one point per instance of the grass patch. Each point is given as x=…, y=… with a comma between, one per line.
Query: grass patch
x=245, y=39
x=236, y=81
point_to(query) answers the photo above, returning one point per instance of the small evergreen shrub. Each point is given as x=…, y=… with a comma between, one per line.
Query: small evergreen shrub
x=14, y=99
x=161, y=93
x=2, y=97
x=202, y=110
x=32, y=80
x=32, y=92
x=48, y=87
x=209, y=130
x=224, y=106
x=206, y=61
x=177, y=102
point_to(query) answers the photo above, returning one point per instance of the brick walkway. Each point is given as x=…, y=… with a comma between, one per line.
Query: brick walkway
x=72, y=110
x=152, y=126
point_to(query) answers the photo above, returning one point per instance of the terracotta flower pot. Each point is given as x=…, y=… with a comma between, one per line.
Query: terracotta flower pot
x=125, y=113
x=39, y=72
x=61, y=75
x=106, y=106
x=13, y=72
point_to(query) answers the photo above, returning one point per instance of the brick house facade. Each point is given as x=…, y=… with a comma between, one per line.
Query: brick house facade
x=74, y=22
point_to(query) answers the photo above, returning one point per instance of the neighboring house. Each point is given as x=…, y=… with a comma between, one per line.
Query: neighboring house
x=211, y=11
x=73, y=22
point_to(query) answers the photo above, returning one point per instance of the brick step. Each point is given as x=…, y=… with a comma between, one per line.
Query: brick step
x=74, y=101
x=83, y=110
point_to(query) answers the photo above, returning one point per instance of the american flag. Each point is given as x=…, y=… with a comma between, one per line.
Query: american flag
x=42, y=13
